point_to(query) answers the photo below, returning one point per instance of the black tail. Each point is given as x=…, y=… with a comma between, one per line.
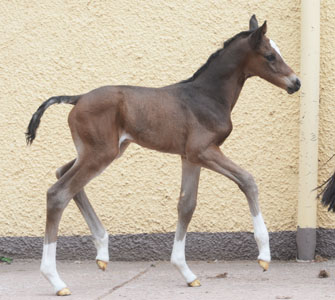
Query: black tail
x=35, y=120
x=328, y=193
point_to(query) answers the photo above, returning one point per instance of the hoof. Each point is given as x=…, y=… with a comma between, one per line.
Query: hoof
x=194, y=283
x=102, y=265
x=264, y=265
x=64, y=292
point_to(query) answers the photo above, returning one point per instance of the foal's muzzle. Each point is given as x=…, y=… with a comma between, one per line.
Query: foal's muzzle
x=294, y=87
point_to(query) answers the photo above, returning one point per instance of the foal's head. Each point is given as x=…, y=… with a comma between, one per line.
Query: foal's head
x=264, y=60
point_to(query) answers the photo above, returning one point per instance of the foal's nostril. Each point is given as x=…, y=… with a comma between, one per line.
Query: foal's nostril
x=294, y=85
x=297, y=84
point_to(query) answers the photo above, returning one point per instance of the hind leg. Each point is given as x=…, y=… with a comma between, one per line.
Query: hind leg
x=99, y=234
x=58, y=197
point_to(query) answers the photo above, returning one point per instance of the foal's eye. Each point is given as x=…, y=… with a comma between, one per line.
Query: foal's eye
x=270, y=57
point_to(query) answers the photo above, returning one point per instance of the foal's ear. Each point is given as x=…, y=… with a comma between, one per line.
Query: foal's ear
x=253, y=23
x=257, y=36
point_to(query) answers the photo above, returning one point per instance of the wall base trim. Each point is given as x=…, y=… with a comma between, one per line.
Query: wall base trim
x=158, y=246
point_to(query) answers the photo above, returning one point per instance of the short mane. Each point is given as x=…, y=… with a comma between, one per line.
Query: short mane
x=216, y=54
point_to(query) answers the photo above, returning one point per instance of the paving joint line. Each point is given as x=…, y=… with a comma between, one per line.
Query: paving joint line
x=124, y=283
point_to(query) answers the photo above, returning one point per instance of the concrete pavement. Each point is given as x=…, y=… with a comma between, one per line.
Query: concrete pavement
x=233, y=280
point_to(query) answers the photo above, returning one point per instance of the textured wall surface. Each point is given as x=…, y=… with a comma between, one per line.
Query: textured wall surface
x=70, y=47
x=327, y=111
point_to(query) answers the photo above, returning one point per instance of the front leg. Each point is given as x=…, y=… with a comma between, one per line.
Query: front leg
x=212, y=158
x=186, y=206
x=262, y=239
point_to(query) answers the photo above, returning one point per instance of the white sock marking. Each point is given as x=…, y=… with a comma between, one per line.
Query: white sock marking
x=178, y=259
x=274, y=46
x=48, y=266
x=262, y=238
x=102, y=248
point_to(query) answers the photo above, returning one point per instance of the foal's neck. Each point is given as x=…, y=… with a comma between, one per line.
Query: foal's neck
x=224, y=77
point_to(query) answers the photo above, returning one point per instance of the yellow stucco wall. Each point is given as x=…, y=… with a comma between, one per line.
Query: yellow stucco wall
x=327, y=111
x=59, y=47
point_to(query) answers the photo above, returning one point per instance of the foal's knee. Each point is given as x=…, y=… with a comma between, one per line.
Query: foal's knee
x=55, y=200
x=248, y=184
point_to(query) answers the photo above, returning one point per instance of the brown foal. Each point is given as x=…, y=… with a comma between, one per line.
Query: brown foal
x=191, y=118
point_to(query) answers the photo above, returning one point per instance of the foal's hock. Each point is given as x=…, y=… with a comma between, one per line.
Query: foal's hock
x=191, y=118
